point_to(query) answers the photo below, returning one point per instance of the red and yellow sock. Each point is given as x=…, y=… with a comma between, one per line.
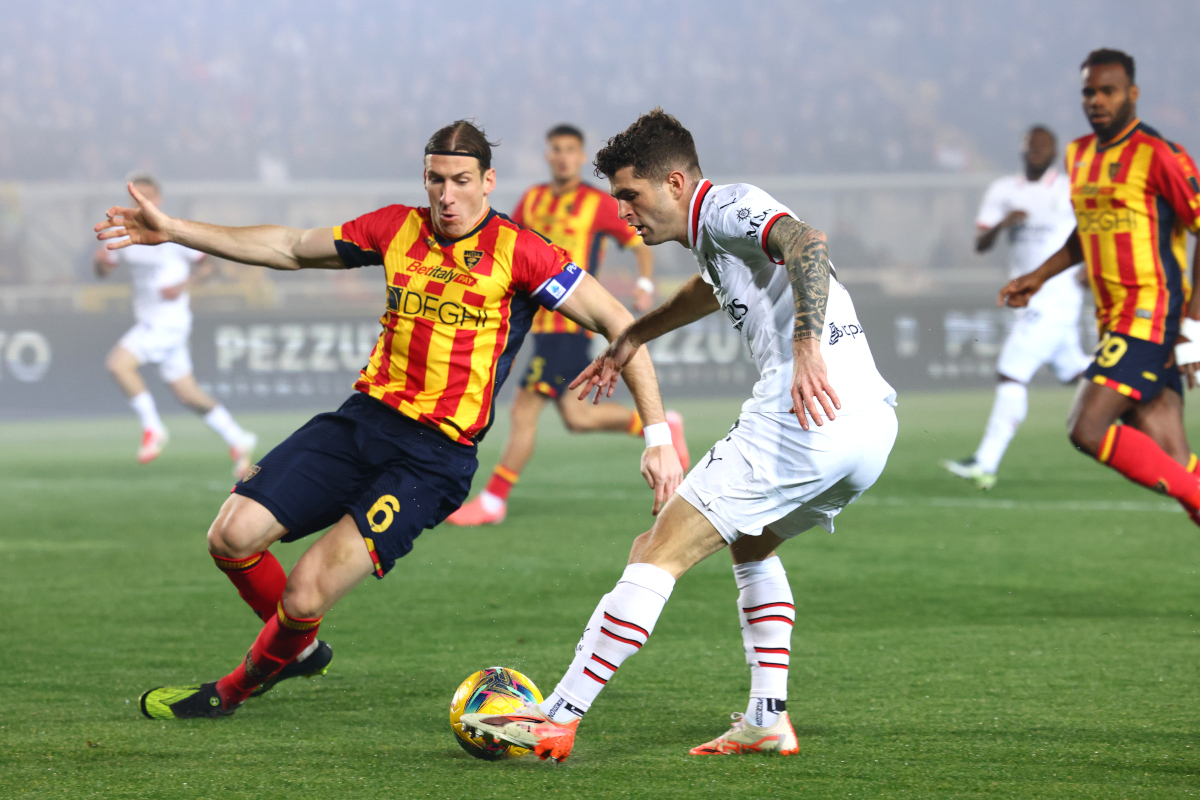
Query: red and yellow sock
x=635, y=424
x=259, y=580
x=283, y=638
x=1139, y=458
x=502, y=482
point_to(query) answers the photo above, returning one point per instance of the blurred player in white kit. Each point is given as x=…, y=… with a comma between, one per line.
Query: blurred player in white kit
x=1035, y=208
x=162, y=310
x=814, y=436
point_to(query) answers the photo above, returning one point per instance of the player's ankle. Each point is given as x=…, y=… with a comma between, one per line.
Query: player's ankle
x=763, y=712
x=558, y=709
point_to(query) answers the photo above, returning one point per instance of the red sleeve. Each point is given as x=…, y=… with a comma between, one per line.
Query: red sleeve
x=1174, y=177
x=364, y=241
x=518, y=215
x=536, y=260
x=608, y=222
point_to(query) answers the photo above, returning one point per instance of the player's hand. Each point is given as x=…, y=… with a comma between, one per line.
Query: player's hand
x=1014, y=218
x=1016, y=293
x=643, y=301
x=661, y=469
x=173, y=292
x=811, y=391
x=603, y=373
x=145, y=224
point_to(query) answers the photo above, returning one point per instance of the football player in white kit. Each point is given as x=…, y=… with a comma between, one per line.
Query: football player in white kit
x=163, y=314
x=1035, y=208
x=814, y=436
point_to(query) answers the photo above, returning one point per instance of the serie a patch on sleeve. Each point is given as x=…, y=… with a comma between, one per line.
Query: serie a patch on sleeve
x=555, y=291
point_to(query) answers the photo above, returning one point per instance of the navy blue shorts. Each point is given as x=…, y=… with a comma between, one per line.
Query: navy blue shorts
x=1134, y=367
x=395, y=475
x=558, y=358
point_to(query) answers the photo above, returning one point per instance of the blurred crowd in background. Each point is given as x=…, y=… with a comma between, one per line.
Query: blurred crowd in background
x=350, y=89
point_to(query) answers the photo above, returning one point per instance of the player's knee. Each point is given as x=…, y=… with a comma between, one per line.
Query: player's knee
x=1085, y=437
x=234, y=535
x=641, y=546
x=303, y=599
x=115, y=363
x=576, y=425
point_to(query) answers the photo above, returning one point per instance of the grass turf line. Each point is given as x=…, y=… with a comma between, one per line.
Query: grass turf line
x=948, y=643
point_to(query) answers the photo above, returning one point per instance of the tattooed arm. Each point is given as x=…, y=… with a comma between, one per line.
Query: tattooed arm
x=805, y=253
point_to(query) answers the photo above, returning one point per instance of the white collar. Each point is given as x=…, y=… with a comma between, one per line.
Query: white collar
x=698, y=198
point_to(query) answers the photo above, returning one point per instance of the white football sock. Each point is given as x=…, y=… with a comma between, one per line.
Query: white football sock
x=1008, y=412
x=490, y=502
x=556, y=706
x=221, y=421
x=766, y=613
x=627, y=617
x=143, y=404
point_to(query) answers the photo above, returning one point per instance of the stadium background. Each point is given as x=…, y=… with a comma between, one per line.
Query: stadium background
x=881, y=123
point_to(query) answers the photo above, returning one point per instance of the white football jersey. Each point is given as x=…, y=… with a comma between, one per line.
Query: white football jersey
x=1050, y=220
x=727, y=233
x=154, y=269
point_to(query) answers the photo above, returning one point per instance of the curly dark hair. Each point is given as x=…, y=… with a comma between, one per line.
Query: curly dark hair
x=1108, y=56
x=463, y=136
x=654, y=146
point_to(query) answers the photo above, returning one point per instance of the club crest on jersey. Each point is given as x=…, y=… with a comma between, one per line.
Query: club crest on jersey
x=472, y=258
x=250, y=473
x=1114, y=170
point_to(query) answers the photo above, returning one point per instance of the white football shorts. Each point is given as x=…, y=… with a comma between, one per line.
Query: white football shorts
x=1037, y=340
x=167, y=347
x=770, y=472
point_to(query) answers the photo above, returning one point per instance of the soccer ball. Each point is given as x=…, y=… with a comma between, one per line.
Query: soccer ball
x=495, y=690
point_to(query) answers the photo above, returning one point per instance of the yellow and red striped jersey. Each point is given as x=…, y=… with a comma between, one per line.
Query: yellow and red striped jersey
x=576, y=221
x=1135, y=198
x=457, y=311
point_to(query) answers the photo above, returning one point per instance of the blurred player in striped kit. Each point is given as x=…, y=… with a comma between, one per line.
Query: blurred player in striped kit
x=578, y=218
x=1034, y=207
x=162, y=277
x=1136, y=196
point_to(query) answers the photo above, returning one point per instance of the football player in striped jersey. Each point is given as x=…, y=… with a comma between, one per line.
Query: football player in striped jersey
x=1136, y=198
x=463, y=284
x=580, y=219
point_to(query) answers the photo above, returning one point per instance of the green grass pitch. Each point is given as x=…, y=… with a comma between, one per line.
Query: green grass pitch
x=1037, y=641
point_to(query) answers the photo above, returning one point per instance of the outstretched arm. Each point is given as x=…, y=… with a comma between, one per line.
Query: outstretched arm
x=595, y=309
x=805, y=253
x=1016, y=293
x=690, y=302
x=272, y=246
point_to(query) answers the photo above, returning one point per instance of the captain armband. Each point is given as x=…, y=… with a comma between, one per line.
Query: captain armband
x=555, y=291
x=1188, y=352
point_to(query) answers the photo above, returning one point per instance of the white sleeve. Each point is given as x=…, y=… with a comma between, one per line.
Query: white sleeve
x=994, y=207
x=748, y=218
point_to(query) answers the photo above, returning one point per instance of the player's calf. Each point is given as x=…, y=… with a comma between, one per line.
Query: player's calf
x=238, y=541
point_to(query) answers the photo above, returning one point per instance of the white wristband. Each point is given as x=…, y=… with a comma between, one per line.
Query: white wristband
x=657, y=434
x=1188, y=352
x=645, y=284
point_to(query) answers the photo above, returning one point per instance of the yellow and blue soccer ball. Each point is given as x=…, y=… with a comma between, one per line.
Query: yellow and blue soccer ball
x=495, y=690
